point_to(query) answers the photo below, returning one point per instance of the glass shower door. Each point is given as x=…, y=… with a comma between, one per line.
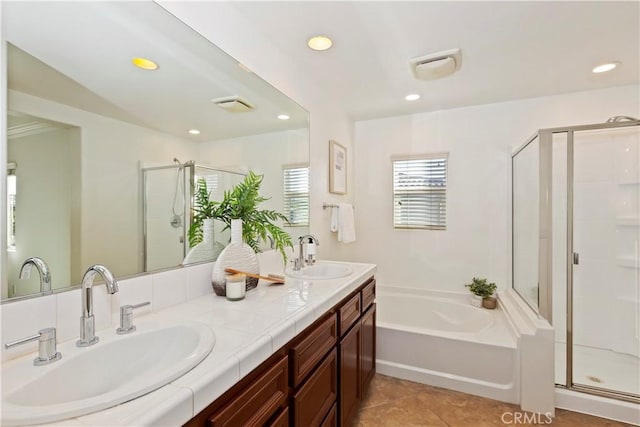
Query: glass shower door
x=604, y=260
x=166, y=190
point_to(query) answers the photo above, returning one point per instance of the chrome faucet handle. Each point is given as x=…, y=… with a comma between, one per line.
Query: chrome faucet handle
x=126, y=318
x=47, y=352
x=297, y=264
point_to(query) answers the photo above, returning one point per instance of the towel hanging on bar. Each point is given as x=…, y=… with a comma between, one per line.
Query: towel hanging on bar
x=343, y=222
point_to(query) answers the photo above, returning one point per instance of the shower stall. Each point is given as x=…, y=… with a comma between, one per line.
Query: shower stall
x=575, y=250
x=167, y=209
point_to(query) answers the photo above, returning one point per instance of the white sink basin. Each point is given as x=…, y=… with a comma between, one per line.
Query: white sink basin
x=117, y=369
x=321, y=271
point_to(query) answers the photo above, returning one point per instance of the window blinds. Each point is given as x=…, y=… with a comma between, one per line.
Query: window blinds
x=420, y=193
x=296, y=194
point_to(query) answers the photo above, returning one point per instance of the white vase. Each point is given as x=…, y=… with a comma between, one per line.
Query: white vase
x=237, y=255
x=476, y=300
x=208, y=249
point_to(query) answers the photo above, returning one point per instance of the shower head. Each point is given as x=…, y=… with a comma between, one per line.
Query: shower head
x=179, y=163
x=616, y=119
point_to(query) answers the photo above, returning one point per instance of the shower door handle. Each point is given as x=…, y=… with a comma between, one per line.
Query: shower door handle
x=576, y=258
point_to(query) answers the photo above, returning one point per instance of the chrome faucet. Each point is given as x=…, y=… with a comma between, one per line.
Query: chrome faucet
x=301, y=261
x=47, y=352
x=43, y=270
x=87, y=322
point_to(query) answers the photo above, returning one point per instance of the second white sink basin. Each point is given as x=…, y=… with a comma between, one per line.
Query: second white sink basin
x=116, y=370
x=322, y=270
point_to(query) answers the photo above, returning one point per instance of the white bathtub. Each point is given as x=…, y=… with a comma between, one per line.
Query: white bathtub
x=438, y=338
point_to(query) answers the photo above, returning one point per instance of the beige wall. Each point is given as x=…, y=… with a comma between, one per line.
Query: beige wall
x=480, y=140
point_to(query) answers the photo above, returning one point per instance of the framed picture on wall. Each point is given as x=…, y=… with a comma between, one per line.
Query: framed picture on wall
x=337, y=168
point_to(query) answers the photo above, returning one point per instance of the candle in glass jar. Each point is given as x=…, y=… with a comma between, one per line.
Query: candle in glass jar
x=236, y=287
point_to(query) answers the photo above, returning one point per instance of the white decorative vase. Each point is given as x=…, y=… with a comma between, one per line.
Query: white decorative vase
x=476, y=300
x=208, y=249
x=237, y=255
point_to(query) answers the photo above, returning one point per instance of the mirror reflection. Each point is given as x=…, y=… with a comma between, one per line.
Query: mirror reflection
x=103, y=155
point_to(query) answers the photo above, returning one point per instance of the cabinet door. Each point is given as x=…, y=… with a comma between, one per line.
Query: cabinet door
x=368, y=295
x=256, y=404
x=350, y=374
x=282, y=420
x=317, y=395
x=368, y=364
x=308, y=352
x=331, y=420
x=349, y=313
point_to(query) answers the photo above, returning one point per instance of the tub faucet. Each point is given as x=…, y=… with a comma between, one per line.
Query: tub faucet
x=301, y=261
x=43, y=270
x=87, y=322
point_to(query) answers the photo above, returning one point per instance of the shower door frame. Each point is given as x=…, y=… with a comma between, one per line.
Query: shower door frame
x=546, y=140
x=187, y=207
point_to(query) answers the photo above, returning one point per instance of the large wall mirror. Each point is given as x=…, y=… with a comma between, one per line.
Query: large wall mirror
x=101, y=160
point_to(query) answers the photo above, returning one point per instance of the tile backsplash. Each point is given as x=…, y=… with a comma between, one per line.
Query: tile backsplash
x=62, y=311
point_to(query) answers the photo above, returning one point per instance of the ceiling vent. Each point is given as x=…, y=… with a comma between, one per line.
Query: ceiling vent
x=436, y=65
x=233, y=104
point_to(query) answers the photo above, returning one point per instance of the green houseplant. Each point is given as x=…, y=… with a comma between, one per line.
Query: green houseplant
x=241, y=202
x=483, y=290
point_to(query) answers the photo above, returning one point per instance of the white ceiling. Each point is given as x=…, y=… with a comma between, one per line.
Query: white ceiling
x=510, y=50
x=79, y=54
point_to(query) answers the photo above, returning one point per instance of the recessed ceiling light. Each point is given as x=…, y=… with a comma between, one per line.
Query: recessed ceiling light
x=320, y=43
x=602, y=68
x=412, y=97
x=194, y=131
x=283, y=117
x=144, y=63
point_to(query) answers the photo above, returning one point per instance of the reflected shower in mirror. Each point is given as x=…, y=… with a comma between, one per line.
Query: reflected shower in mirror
x=91, y=143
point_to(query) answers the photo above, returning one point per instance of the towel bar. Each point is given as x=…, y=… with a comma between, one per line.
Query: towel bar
x=326, y=205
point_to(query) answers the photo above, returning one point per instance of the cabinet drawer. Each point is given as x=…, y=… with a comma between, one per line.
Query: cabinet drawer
x=317, y=395
x=256, y=404
x=281, y=420
x=306, y=354
x=331, y=420
x=349, y=313
x=368, y=295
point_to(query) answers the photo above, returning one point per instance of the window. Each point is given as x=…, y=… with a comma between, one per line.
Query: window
x=420, y=192
x=296, y=194
x=11, y=207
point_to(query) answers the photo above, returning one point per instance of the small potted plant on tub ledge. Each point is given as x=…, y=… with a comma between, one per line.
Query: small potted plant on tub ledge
x=482, y=292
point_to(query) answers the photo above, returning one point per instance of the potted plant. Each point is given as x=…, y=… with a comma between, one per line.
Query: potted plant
x=241, y=202
x=482, y=290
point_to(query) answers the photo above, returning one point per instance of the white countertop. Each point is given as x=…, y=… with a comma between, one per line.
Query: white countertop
x=247, y=332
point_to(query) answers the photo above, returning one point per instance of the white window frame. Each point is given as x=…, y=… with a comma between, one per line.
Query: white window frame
x=287, y=196
x=438, y=221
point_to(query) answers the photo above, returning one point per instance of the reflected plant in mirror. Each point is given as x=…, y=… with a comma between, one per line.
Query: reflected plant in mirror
x=242, y=202
x=93, y=138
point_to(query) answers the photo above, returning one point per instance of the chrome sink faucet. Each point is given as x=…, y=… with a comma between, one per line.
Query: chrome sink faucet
x=43, y=270
x=87, y=321
x=301, y=261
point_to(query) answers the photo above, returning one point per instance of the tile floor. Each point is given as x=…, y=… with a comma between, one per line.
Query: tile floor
x=392, y=402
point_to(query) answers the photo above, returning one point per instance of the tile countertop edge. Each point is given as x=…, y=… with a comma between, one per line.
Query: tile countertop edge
x=254, y=352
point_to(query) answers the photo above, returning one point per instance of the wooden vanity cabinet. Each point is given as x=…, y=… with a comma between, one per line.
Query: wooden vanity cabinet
x=368, y=360
x=350, y=349
x=317, y=379
x=357, y=355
